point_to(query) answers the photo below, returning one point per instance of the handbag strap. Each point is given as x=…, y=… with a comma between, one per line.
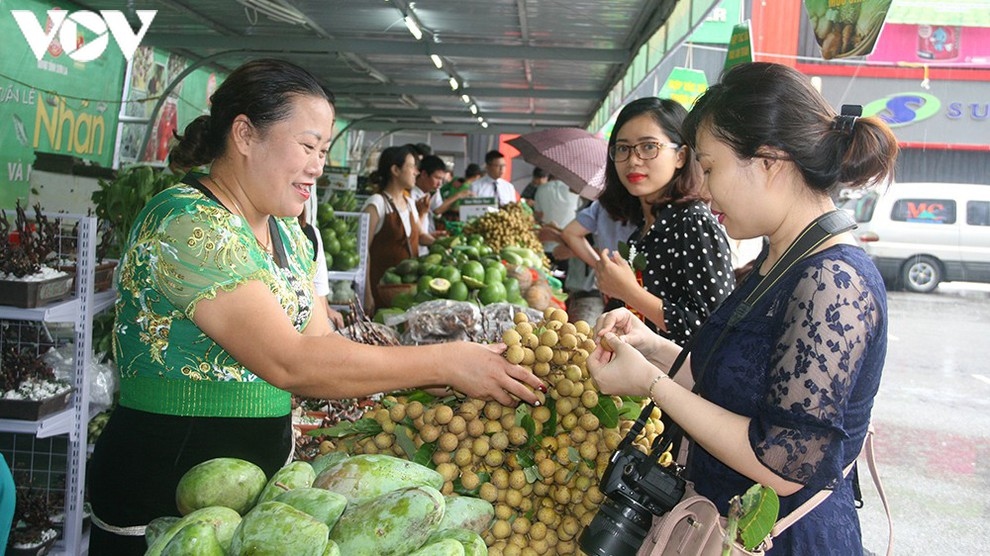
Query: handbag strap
x=810, y=504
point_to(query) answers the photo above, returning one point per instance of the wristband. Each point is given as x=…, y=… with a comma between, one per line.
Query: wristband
x=655, y=381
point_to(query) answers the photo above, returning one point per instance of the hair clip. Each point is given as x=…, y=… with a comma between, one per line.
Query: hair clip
x=846, y=120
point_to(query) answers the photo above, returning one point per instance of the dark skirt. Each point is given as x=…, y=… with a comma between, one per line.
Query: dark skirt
x=140, y=457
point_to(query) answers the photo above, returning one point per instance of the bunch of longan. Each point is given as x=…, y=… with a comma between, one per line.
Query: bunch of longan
x=510, y=225
x=539, y=466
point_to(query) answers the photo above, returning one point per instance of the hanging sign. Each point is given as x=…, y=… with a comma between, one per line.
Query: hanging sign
x=740, y=46
x=845, y=28
x=684, y=85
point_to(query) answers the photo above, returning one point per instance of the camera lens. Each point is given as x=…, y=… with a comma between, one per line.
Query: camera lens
x=618, y=529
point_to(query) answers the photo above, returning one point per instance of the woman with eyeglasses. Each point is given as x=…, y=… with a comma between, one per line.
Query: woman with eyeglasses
x=679, y=266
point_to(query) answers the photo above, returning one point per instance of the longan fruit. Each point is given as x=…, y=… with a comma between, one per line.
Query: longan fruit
x=429, y=433
x=397, y=412
x=470, y=480
x=443, y=414
x=520, y=317
x=517, y=479
x=515, y=354
x=541, y=369
x=447, y=442
x=501, y=530
x=568, y=341
x=529, y=357
x=476, y=428
x=488, y=492
x=559, y=315
x=457, y=424
x=513, y=498
x=448, y=471
x=540, y=414
x=582, y=327
x=463, y=456
x=480, y=446
x=589, y=422
x=532, y=341
x=524, y=329
x=544, y=354
x=414, y=410
x=499, y=441
x=547, y=468
x=511, y=337
x=495, y=458
x=549, y=338
x=518, y=436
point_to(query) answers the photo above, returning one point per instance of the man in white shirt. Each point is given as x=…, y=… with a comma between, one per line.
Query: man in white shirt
x=426, y=195
x=492, y=184
x=555, y=205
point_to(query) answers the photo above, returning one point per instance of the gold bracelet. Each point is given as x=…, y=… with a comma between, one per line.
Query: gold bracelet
x=655, y=381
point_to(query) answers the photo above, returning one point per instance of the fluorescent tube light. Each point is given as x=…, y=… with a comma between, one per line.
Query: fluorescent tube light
x=466, y=99
x=474, y=108
x=454, y=84
x=276, y=11
x=413, y=27
x=484, y=125
x=437, y=61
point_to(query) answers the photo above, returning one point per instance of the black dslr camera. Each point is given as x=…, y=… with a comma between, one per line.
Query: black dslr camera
x=636, y=488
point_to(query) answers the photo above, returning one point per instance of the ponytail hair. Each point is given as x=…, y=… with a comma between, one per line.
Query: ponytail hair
x=762, y=105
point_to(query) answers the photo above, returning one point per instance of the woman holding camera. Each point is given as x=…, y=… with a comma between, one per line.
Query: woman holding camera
x=785, y=394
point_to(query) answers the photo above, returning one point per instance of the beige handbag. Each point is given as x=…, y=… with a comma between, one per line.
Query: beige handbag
x=694, y=527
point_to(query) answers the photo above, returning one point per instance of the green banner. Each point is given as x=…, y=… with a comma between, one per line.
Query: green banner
x=684, y=85
x=152, y=71
x=717, y=27
x=56, y=104
x=740, y=46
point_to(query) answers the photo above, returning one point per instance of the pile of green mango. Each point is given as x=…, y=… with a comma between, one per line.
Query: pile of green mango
x=369, y=504
x=339, y=231
x=462, y=268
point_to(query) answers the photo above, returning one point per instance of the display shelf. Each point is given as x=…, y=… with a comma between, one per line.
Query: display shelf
x=59, y=312
x=357, y=275
x=52, y=450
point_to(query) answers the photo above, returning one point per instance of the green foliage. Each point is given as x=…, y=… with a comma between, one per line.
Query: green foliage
x=118, y=202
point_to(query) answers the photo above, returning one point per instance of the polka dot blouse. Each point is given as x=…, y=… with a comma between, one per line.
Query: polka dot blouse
x=688, y=266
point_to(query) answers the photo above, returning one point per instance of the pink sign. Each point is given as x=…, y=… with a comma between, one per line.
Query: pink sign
x=933, y=44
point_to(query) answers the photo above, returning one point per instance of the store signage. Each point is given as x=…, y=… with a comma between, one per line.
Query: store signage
x=66, y=26
x=740, y=46
x=904, y=108
x=845, y=28
x=684, y=86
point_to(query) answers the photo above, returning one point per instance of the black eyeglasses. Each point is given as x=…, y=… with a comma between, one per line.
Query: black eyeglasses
x=646, y=150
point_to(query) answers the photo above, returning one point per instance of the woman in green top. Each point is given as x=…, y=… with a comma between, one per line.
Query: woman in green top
x=216, y=321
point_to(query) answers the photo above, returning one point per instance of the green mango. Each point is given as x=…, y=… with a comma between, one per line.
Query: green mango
x=158, y=526
x=443, y=547
x=297, y=474
x=472, y=542
x=332, y=549
x=195, y=539
x=223, y=519
x=395, y=523
x=367, y=476
x=275, y=529
x=467, y=512
x=322, y=505
x=329, y=459
x=230, y=482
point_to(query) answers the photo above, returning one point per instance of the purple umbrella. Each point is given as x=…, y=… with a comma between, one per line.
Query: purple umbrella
x=572, y=155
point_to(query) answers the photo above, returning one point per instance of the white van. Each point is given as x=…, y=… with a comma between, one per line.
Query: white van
x=920, y=234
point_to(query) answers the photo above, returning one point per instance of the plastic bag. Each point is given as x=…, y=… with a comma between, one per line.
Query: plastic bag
x=102, y=377
x=439, y=321
x=499, y=317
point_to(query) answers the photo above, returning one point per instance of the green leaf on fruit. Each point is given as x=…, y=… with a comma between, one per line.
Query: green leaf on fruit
x=402, y=438
x=607, y=412
x=760, y=506
x=363, y=428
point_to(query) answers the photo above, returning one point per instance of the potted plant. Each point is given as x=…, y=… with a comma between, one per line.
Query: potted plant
x=28, y=387
x=29, y=276
x=33, y=531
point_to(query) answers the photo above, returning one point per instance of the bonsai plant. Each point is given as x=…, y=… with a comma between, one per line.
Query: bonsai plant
x=32, y=531
x=25, y=376
x=29, y=259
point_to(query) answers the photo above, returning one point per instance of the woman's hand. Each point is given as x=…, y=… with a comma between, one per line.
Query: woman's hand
x=615, y=276
x=480, y=371
x=629, y=328
x=621, y=370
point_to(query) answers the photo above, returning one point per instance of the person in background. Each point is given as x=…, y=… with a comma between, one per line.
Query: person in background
x=427, y=198
x=321, y=281
x=8, y=502
x=216, y=322
x=785, y=396
x=491, y=184
x=554, y=208
x=680, y=265
x=540, y=177
x=459, y=189
x=394, y=220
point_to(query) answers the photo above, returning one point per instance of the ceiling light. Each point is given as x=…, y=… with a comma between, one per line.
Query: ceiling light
x=474, y=108
x=480, y=119
x=276, y=10
x=437, y=61
x=413, y=27
x=484, y=125
x=454, y=84
x=466, y=99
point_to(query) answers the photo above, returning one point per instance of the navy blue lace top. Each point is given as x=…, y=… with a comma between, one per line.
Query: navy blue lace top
x=805, y=366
